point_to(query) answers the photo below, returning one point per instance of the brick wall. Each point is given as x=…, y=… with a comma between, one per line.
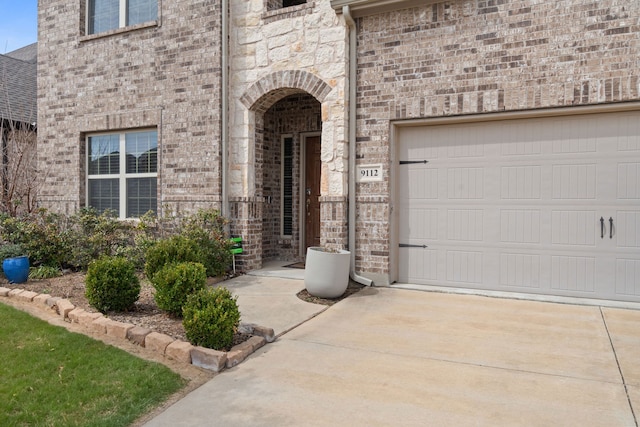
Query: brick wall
x=164, y=74
x=479, y=56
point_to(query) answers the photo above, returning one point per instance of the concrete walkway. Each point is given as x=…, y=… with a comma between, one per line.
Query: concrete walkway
x=389, y=357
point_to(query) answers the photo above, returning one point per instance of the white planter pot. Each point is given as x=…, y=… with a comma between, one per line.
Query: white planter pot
x=326, y=273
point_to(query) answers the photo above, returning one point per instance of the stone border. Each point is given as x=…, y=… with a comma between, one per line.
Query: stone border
x=162, y=344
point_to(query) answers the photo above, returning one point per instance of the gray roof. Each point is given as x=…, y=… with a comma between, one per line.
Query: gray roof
x=28, y=53
x=18, y=85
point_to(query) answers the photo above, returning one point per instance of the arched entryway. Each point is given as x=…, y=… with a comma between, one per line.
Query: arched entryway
x=285, y=148
x=288, y=148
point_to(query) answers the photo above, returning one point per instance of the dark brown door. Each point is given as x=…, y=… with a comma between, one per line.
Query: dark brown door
x=312, y=192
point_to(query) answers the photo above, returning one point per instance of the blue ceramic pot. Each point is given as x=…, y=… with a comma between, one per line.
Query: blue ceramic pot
x=16, y=269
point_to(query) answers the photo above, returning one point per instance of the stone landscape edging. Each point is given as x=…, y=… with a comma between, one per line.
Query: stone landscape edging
x=162, y=344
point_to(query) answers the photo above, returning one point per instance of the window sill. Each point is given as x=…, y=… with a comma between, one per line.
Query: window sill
x=287, y=12
x=122, y=30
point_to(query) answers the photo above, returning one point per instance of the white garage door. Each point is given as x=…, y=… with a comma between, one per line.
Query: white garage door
x=545, y=205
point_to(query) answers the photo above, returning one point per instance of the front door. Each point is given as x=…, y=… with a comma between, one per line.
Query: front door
x=313, y=169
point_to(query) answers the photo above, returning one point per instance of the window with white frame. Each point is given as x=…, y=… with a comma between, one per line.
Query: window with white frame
x=105, y=15
x=123, y=172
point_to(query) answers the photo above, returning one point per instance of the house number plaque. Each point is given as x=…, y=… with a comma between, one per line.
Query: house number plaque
x=369, y=173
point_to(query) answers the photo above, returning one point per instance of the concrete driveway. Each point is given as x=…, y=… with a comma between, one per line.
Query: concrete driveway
x=388, y=357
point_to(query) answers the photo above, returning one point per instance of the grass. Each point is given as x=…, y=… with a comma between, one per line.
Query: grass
x=52, y=377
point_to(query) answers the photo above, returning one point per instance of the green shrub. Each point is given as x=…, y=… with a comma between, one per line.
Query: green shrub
x=112, y=284
x=11, y=250
x=175, y=282
x=41, y=234
x=211, y=317
x=169, y=251
x=206, y=227
x=92, y=235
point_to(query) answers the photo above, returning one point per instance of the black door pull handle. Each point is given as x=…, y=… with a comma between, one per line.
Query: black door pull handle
x=601, y=227
x=611, y=227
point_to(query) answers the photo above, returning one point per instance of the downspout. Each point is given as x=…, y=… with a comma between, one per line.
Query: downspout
x=224, y=132
x=351, y=101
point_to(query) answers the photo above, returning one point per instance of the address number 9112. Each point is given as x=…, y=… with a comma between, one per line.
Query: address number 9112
x=369, y=173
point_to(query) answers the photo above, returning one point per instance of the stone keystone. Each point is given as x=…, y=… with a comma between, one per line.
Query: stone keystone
x=157, y=342
x=137, y=335
x=15, y=292
x=207, y=358
x=64, y=307
x=4, y=292
x=180, y=351
x=27, y=296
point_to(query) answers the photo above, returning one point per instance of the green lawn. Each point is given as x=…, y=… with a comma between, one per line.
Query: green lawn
x=52, y=377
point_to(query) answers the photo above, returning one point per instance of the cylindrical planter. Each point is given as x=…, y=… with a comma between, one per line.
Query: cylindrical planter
x=326, y=272
x=16, y=269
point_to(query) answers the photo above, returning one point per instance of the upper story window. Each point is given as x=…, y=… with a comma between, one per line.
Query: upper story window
x=281, y=4
x=105, y=15
x=288, y=3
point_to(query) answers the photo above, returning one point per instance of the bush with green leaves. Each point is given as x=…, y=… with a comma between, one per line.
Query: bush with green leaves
x=206, y=227
x=211, y=318
x=44, y=272
x=112, y=284
x=175, y=282
x=11, y=250
x=92, y=235
x=42, y=235
x=171, y=250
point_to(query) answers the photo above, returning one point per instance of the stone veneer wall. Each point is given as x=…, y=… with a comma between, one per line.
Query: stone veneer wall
x=163, y=74
x=480, y=56
x=275, y=53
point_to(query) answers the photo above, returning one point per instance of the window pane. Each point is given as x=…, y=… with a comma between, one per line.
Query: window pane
x=141, y=196
x=104, y=194
x=141, y=11
x=103, y=15
x=142, y=152
x=287, y=3
x=287, y=187
x=104, y=155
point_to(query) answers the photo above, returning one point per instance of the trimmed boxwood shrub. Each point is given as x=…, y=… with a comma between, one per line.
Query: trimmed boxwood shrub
x=211, y=317
x=170, y=251
x=175, y=282
x=112, y=284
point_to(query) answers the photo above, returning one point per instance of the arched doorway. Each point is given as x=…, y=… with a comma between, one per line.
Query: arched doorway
x=287, y=155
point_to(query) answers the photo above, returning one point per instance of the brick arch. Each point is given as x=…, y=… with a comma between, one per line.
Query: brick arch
x=273, y=87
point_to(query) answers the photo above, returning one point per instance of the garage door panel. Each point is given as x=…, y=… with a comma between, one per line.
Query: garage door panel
x=520, y=271
x=516, y=205
x=571, y=181
x=573, y=227
x=573, y=273
x=629, y=181
x=628, y=276
x=520, y=226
